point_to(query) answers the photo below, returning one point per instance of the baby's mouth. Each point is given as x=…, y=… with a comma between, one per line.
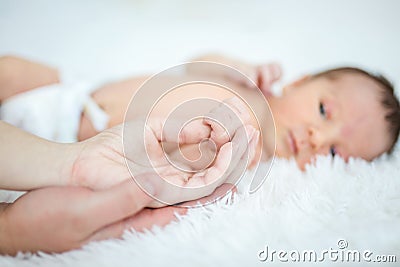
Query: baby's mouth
x=291, y=140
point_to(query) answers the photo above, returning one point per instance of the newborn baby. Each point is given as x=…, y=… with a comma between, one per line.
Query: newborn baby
x=344, y=112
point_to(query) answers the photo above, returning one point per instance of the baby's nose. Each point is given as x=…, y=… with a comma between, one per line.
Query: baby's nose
x=315, y=138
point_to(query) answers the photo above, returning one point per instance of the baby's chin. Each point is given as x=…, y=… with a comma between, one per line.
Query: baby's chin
x=301, y=164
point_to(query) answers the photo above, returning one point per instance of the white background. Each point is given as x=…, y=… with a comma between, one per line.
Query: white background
x=111, y=39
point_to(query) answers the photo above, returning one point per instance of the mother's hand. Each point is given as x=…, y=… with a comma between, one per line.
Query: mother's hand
x=57, y=219
x=103, y=163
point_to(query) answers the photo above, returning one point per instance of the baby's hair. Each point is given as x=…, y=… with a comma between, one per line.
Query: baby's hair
x=388, y=99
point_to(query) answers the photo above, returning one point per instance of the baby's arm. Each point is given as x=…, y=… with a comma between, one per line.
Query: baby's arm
x=18, y=75
x=261, y=76
x=218, y=58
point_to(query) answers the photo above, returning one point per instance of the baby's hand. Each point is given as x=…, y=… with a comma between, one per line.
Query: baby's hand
x=103, y=159
x=232, y=120
x=261, y=76
x=226, y=119
x=184, y=181
x=231, y=139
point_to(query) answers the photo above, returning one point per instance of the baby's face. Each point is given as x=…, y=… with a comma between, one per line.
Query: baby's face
x=342, y=117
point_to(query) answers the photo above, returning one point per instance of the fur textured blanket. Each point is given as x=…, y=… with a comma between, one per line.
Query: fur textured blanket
x=335, y=214
x=331, y=207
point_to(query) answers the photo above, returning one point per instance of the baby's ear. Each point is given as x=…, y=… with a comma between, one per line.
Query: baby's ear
x=289, y=87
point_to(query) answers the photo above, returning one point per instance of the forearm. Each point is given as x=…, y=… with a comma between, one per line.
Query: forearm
x=218, y=58
x=5, y=245
x=29, y=162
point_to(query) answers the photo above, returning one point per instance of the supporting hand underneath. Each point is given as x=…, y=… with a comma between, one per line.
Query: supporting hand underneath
x=57, y=219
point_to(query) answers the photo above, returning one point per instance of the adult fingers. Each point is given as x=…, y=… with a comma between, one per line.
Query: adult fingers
x=246, y=160
x=145, y=219
x=163, y=216
x=218, y=193
x=148, y=218
x=231, y=156
x=253, y=144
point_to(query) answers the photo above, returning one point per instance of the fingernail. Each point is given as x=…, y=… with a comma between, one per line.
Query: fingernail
x=251, y=133
x=224, y=135
x=256, y=135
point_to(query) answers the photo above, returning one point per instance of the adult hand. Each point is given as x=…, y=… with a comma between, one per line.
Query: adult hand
x=57, y=219
x=148, y=217
x=61, y=218
x=102, y=162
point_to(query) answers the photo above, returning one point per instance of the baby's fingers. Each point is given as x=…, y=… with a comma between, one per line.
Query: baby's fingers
x=232, y=155
x=248, y=159
x=224, y=120
x=176, y=131
x=267, y=75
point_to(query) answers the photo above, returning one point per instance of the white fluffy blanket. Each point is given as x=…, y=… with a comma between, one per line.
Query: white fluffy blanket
x=357, y=202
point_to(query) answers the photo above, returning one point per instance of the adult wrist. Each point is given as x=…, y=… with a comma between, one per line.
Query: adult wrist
x=66, y=163
x=30, y=162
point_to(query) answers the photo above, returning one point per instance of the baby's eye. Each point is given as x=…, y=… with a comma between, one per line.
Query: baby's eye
x=322, y=110
x=332, y=151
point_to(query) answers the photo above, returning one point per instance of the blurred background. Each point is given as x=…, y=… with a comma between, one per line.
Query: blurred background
x=113, y=39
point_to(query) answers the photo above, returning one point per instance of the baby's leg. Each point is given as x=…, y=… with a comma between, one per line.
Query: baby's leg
x=18, y=75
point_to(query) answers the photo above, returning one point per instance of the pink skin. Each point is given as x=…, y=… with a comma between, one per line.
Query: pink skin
x=76, y=216
x=321, y=116
x=93, y=171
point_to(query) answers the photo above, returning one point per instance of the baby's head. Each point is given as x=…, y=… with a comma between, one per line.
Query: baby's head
x=344, y=112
